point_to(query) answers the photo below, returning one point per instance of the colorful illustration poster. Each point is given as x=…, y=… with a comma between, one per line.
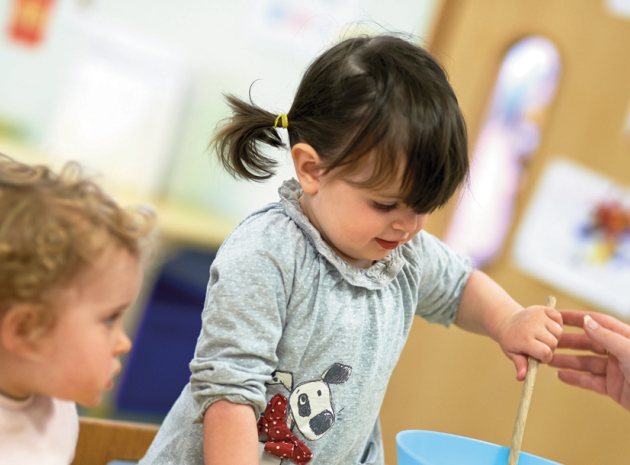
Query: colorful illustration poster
x=576, y=236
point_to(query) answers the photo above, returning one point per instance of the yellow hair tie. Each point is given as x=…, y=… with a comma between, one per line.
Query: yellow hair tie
x=285, y=121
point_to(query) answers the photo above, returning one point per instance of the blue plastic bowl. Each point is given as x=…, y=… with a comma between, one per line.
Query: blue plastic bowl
x=418, y=447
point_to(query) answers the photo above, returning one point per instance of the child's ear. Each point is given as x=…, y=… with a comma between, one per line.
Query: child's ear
x=307, y=167
x=19, y=330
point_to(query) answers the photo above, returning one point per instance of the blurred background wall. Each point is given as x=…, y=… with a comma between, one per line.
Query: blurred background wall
x=203, y=49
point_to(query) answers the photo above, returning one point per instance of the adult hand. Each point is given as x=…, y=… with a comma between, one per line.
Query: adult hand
x=606, y=369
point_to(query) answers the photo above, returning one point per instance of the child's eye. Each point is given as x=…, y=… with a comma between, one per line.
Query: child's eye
x=384, y=206
x=112, y=319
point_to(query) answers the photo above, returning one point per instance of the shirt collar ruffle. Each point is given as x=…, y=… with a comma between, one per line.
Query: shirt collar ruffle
x=377, y=276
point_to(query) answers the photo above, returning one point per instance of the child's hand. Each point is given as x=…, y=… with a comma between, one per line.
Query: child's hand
x=533, y=331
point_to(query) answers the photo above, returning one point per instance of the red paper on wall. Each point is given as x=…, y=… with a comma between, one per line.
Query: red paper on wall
x=29, y=20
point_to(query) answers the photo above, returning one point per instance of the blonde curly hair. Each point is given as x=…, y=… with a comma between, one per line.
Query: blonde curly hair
x=54, y=225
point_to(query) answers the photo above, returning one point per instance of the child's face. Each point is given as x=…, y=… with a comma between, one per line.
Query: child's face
x=362, y=225
x=80, y=352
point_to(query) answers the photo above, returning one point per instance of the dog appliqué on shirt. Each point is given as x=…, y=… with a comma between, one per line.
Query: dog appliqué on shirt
x=308, y=408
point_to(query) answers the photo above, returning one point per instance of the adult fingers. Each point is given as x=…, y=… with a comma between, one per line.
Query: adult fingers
x=611, y=323
x=590, y=364
x=579, y=341
x=614, y=343
x=584, y=380
x=573, y=317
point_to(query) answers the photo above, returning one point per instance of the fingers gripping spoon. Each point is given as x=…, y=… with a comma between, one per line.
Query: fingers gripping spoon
x=523, y=406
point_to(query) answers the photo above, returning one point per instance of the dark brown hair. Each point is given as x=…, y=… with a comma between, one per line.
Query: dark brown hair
x=54, y=225
x=367, y=95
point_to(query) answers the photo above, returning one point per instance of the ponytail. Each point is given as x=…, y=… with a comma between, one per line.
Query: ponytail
x=238, y=141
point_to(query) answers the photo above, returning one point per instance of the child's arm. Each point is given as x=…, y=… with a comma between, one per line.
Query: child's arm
x=486, y=308
x=230, y=434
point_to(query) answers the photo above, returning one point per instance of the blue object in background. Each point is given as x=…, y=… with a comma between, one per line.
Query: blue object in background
x=157, y=367
x=417, y=447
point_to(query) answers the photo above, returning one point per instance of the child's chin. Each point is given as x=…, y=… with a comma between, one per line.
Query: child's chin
x=382, y=255
x=91, y=401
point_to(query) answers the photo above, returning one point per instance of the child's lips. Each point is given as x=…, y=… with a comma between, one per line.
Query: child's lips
x=112, y=379
x=389, y=245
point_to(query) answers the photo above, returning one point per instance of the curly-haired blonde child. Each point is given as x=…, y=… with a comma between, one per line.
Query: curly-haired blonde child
x=69, y=268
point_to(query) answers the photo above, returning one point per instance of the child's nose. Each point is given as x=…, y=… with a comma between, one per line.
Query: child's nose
x=123, y=343
x=410, y=221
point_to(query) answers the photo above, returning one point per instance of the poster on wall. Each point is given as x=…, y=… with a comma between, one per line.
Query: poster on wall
x=575, y=236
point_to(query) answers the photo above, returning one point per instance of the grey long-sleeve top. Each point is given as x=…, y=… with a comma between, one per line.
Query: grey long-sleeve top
x=284, y=314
